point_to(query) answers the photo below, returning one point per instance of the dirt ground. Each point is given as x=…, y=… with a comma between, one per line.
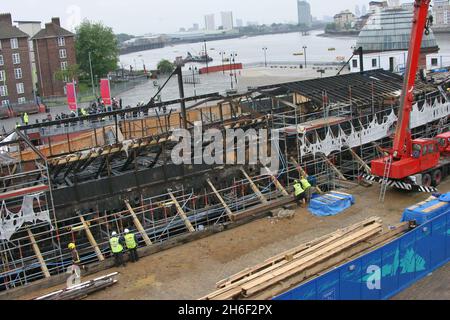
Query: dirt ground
x=191, y=271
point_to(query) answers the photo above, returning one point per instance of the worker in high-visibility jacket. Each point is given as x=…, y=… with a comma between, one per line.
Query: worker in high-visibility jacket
x=117, y=250
x=83, y=112
x=131, y=243
x=299, y=193
x=307, y=187
x=25, y=118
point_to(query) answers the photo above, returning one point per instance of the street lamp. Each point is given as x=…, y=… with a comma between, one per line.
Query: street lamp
x=193, y=69
x=92, y=74
x=304, y=50
x=265, y=56
x=222, y=53
x=232, y=59
x=206, y=57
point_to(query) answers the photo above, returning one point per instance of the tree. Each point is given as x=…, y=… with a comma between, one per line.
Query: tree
x=101, y=43
x=71, y=72
x=165, y=66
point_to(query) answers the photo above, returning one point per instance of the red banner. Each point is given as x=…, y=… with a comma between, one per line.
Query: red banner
x=71, y=96
x=105, y=92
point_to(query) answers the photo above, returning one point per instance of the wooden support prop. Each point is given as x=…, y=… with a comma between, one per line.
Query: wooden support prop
x=303, y=172
x=182, y=213
x=277, y=183
x=37, y=251
x=254, y=187
x=138, y=224
x=224, y=204
x=91, y=239
x=361, y=161
x=333, y=167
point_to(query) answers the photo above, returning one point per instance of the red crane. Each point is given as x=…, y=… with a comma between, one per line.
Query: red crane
x=410, y=157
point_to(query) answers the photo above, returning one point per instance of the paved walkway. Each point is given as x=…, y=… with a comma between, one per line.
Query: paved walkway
x=435, y=286
x=209, y=83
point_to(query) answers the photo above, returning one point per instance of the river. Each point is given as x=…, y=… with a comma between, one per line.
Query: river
x=280, y=48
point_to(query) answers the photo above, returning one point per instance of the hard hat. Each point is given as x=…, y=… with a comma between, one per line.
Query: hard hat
x=71, y=246
x=127, y=231
x=114, y=234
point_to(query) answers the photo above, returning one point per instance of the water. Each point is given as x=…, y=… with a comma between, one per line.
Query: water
x=280, y=47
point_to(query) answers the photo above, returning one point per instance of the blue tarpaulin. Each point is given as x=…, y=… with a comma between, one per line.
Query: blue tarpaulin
x=427, y=210
x=330, y=204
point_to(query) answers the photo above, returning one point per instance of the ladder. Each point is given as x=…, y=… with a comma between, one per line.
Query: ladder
x=384, y=182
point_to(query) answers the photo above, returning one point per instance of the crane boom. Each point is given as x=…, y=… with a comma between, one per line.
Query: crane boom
x=402, y=141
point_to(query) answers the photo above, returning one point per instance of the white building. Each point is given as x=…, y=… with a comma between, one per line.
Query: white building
x=304, y=13
x=31, y=28
x=210, y=23
x=227, y=20
x=441, y=13
x=395, y=61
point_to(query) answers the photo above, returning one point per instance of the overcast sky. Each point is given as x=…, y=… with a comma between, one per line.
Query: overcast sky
x=157, y=16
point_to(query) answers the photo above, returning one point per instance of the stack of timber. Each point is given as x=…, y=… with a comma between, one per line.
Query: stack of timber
x=278, y=274
x=82, y=290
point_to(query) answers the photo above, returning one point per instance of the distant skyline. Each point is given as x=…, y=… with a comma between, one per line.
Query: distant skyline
x=139, y=17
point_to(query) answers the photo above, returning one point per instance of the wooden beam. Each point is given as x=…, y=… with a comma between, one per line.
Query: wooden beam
x=277, y=183
x=182, y=213
x=138, y=224
x=224, y=204
x=333, y=167
x=303, y=173
x=38, y=254
x=254, y=187
x=284, y=272
x=91, y=239
x=361, y=161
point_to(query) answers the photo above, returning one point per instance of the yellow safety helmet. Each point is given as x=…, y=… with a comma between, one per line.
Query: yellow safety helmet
x=71, y=246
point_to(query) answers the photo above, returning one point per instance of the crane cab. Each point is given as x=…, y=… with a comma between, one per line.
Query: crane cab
x=424, y=156
x=443, y=141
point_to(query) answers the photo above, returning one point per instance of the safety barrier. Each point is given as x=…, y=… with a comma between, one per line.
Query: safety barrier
x=386, y=271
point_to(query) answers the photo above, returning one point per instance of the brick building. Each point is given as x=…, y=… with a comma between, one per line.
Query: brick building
x=54, y=49
x=16, y=84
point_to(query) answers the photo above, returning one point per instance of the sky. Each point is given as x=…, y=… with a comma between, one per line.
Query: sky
x=164, y=16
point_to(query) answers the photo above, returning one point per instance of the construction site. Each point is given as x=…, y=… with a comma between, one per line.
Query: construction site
x=77, y=180
x=349, y=198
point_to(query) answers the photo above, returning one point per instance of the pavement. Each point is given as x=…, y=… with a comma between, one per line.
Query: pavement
x=209, y=83
x=435, y=286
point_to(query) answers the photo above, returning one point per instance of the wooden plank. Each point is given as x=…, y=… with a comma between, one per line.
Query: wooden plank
x=436, y=206
x=277, y=183
x=224, y=204
x=303, y=172
x=254, y=187
x=182, y=213
x=297, y=266
x=267, y=273
x=361, y=161
x=333, y=167
x=91, y=239
x=322, y=267
x=292, y=252
x=138, y=224
x=24, y=191
x=38, y=254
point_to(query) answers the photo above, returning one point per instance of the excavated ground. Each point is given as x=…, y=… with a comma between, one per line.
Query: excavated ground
x=191, y=271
